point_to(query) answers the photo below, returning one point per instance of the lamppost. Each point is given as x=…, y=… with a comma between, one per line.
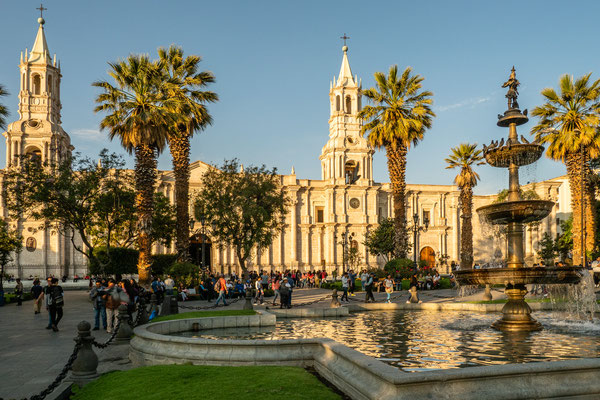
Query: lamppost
x=202, y=235
x=416, y=228
x=346, y=239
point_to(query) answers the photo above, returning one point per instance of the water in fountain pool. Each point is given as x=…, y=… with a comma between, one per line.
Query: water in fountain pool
x=580, y=299
x=423, y=340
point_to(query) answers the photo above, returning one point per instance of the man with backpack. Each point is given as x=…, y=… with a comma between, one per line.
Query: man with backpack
x=112, y=300
x=55, y=303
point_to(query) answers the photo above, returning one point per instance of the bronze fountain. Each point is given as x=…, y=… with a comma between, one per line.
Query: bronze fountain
x=512, y=154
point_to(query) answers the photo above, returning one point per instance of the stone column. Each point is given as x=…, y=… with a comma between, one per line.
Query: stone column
x=306, y=247
x=294, y=234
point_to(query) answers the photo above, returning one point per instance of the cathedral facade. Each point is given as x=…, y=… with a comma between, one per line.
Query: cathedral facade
x=341, y=207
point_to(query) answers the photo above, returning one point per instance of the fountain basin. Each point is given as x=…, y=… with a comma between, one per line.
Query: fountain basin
x=522, y=211
x=520, y=276
x=518, y=153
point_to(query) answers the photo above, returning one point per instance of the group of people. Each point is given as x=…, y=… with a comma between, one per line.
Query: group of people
x=50, y=296
x=107, y=295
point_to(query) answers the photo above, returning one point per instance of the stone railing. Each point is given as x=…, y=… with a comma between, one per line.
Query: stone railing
x=358, y=375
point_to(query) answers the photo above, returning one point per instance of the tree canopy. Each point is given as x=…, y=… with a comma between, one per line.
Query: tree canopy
x=246, y=207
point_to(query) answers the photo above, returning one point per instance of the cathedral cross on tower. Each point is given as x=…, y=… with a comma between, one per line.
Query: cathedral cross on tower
x=345, y=38
x=42, y=9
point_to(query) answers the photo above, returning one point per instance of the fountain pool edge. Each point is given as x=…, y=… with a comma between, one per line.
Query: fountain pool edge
x=356, y=374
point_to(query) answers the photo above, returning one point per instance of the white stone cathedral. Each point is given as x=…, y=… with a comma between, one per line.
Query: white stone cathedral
x=344, y=202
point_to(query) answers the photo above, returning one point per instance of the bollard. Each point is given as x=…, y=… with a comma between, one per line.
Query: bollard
x=173, y=305
x=85, y=365
x=125, y=332
x=414, y=296
x=165, y=308
x=143, y=318
x=248, y=304
x=487, y=295
x=335, y=303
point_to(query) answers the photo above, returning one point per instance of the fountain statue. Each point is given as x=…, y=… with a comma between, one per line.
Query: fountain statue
x=513, y=213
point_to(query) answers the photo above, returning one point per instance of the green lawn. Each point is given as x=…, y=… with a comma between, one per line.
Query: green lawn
x=208, y=382
x=204, y=314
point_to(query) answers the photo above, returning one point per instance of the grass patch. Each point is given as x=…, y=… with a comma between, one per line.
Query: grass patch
x=209, y=382
x=204, y=314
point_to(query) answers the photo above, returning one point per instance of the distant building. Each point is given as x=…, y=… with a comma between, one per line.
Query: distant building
x=346, y=200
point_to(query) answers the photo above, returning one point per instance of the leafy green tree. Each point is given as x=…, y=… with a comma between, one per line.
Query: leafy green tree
x=400, y=115
x=380, y=241
x=246, y=207
x=184, y=85
x=138, y=114
x=352, y=257
x=547, y=250
x=464, y=157
x=3, y=110
x=79, y=197
x=564, y=242
x=529, y=194
x=11, y=242
x=568, y=123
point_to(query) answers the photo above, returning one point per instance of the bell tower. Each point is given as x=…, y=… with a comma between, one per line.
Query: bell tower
x=346, y=158
x=38, y=133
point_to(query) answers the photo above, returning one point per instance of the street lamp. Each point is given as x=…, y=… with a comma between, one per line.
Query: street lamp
x=202, y=235
x=416, y=228
x=346, y=239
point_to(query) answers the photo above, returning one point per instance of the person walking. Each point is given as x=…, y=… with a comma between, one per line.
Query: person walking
x=351, y=282
x=112, y=301
x=36, y=293
x=363, y=279
x=221, y=288
x=388, y=284
x=98, y=303
x=369, y=287
x=259, y=292
x=19, y=292
x=275, y=286
x=345, y=280
x=56, y=302
x=291, y=282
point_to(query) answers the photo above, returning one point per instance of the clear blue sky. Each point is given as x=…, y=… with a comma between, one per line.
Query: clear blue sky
x=273, y=61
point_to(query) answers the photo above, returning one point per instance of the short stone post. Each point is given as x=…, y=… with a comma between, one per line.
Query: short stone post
x=414, y=297
x=487, y=295
x=335, y=303
x=125, y=332
x=174, y=305
x=85, y=365
x=248, y=303
x=143, y=314
x=165, y=309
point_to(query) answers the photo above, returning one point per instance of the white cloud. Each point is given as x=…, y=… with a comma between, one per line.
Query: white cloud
x=89, y=134
x=472, y=102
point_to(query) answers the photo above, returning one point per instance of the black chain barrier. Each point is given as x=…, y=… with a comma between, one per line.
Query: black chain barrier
x=63, y=373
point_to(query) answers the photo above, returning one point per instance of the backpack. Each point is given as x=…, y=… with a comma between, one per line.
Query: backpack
x=217, y=286
x=56, y=297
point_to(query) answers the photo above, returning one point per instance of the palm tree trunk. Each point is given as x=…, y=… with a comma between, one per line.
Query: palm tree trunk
x=573, y=164
x=145, y=180
x=466, y=231
x=590, y=207
x=180, y=153
x=396, y=160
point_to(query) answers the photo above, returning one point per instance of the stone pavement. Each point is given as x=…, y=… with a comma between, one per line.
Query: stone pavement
x=33, y=356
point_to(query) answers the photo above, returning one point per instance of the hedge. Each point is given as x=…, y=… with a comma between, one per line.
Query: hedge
x=122, y=261
x=12, y=298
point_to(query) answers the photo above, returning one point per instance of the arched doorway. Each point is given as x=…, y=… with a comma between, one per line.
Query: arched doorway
x=196, y=250
x=427, y=254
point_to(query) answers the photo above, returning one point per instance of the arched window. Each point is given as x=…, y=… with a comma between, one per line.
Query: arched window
x=348, y=105
x=33, y=154
x=23, y=82
x=351, y=172
x=49, y=84
x=37, y=83
x=337, y=103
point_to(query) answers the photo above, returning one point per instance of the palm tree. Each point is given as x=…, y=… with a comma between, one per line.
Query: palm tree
x=568, y=125
x=465, y=156
x=185, y=86
x=138, y=115
x=398, y=119
x=3, y=109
